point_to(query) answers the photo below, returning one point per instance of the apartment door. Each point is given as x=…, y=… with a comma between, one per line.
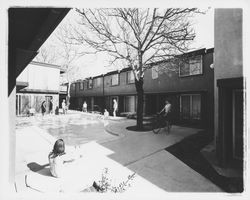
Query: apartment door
x=238, y=124
x=130, y=104
x=190, y=106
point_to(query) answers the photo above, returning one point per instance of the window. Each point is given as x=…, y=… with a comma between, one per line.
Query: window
x=73, y=86
x=129, y=104
x=190, y=106
x=81, y=86
x=191, y=67
x=90, y=83
x=115, y=79
x=155, y=70
x=130, y=77
x=97, y=82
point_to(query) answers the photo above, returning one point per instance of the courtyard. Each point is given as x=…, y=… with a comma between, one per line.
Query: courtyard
x=105, y=144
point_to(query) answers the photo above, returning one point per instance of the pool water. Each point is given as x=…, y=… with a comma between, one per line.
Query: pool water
x=76, y=129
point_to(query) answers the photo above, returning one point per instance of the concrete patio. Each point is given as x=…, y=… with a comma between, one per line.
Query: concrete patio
x=157, y=171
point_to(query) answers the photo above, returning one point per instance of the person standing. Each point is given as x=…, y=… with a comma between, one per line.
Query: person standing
x=43, y=107
x=84, y=106
x=106, y=114
x=64, y=106
x=115, y=107
x=167, y=109
x=51, y=106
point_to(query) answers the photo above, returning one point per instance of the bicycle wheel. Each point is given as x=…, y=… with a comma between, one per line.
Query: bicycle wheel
x=156, y=126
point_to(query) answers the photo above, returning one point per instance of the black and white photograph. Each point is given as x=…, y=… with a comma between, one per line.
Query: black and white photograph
x=139, y=100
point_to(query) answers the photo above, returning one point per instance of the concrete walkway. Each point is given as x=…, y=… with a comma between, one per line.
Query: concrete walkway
x=144, y=153
x=157, y=170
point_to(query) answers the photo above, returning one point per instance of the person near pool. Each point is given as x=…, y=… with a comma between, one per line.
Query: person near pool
x=61, y=163
x=51, y=106
x=105, y=114
x=64, y=106
x=115, y=107
x=43, y=107
x=84, y=107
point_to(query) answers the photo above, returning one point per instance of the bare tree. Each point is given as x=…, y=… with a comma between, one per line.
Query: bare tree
x=136, y=38
x=68, y=53
x=47, y=54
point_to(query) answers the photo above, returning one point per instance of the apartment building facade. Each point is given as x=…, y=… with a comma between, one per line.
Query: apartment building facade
x=38, y=83
x=189, y=88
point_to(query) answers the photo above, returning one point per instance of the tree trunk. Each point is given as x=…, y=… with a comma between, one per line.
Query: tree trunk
x=140, y=93
x=68, y=95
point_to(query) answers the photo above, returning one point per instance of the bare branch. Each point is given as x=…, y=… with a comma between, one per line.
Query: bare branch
x=134, y=36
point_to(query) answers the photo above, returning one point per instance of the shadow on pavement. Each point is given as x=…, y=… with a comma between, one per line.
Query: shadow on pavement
x=188, y=151
x=146, y=127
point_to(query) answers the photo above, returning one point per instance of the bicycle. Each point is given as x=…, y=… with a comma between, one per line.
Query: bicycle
x=160, y=122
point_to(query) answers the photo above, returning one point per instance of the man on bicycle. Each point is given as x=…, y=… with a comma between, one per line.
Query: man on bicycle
x=166, y=109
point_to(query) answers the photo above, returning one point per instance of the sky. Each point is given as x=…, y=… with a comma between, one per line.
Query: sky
x=93, y=65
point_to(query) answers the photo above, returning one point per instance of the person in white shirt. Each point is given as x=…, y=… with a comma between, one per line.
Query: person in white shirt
x=64, y=106
x=115, y=107
x=106, y=114
x=166, y=109
x=84, y=107
x=71, y=167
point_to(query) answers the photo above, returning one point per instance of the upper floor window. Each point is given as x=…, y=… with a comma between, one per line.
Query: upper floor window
x=81, y=86
x=192, y=66
x=90, y=84
x=115, y=79
x=97, y=82
x=130, y=77
x=73, y=86
x=155, y=70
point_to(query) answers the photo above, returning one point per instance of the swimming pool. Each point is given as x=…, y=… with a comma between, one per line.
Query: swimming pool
x=76, y=129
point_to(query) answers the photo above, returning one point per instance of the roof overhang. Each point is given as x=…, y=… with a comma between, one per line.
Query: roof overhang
x=28, y=30
x=21, y=85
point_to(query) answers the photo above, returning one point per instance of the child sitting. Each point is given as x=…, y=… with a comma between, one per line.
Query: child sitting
x=59, y=168
x=58, y=158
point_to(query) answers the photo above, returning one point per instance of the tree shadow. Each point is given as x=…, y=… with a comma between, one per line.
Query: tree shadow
x=146, y=127
x=40, y=169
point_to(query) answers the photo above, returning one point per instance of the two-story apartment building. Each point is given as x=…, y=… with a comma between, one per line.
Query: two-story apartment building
x=189, y=88
x=37, y=83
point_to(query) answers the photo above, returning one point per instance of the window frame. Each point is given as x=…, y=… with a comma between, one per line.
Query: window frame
x=95, y=82
x=73, y=86
x=201, y=68
x=88, y=84
x=118, y=82
x=81, y=84
x=191, y=105
x=155, y=70
x=130, y=72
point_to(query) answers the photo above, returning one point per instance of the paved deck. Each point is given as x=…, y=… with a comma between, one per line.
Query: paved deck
x=142, y=152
